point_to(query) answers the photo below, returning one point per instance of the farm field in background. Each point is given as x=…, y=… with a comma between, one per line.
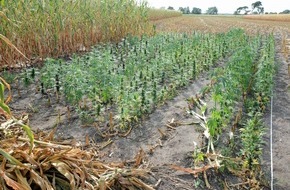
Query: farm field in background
x=216, y=24
x=157, y=14
x=149, y=77
x=271, y=17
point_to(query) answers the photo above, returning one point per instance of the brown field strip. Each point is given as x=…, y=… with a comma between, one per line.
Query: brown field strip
x=216, y=24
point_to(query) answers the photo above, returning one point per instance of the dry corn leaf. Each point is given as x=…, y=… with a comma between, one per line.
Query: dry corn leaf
x=49, y=137
x=9, y=43
x=139, y=157
x=29, y=133
x=102, y=184
x=141, y=184
x=11, y=183
x=22, y=180
x=43, y=183
x=87, y=140
x=195, y=172
x=64, y=170
x=52, y=165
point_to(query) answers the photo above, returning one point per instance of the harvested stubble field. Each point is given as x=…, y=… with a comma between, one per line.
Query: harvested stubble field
x=216, y=24
x=271, y=17
x=187, y=108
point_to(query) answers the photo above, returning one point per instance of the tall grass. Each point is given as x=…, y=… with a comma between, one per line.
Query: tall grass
x=44, y=28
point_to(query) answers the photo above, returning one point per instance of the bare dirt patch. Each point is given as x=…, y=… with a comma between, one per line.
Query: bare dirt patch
x=280, y=124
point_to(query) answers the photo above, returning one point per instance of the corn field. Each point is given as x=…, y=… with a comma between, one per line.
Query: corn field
x=56, y=28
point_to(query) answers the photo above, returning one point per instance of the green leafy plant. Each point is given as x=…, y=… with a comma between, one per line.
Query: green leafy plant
x=252, y=141
x=245, y=82
x=136, y=74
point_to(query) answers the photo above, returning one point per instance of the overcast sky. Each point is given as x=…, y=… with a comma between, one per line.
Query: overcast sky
x=224, y=6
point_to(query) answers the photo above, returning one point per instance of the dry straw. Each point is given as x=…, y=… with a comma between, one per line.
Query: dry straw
x=43, y=28
x=35, y=161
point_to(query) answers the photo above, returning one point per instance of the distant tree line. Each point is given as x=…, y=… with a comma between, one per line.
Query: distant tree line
x=257, y=8
x=287, y=11
x=195, y=10
x=186, y=10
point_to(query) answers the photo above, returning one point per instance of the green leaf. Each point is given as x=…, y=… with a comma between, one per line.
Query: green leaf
x=29, y=133
x=1, y=92
x=216, y=115
x=203, y=109
x=2, y=3
x=212, y=124
x=5, y=108
x=217, y=97
x=11, y=159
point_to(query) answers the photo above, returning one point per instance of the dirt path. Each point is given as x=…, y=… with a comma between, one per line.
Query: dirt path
x=281, y=127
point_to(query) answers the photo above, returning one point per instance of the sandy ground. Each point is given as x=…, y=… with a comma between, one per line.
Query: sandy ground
x=281, y=126
x=174, y=148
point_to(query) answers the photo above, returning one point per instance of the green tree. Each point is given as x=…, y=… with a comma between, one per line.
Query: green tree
x=212, y=11
x=170, y=8
x=181, y=9
x=258, y=6
x=186, y=10
x=240, y=9
x=196, y=10
x=261, y=10
x=287, y=11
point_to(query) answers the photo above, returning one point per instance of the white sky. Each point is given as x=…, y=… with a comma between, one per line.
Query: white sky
x=224, y=6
